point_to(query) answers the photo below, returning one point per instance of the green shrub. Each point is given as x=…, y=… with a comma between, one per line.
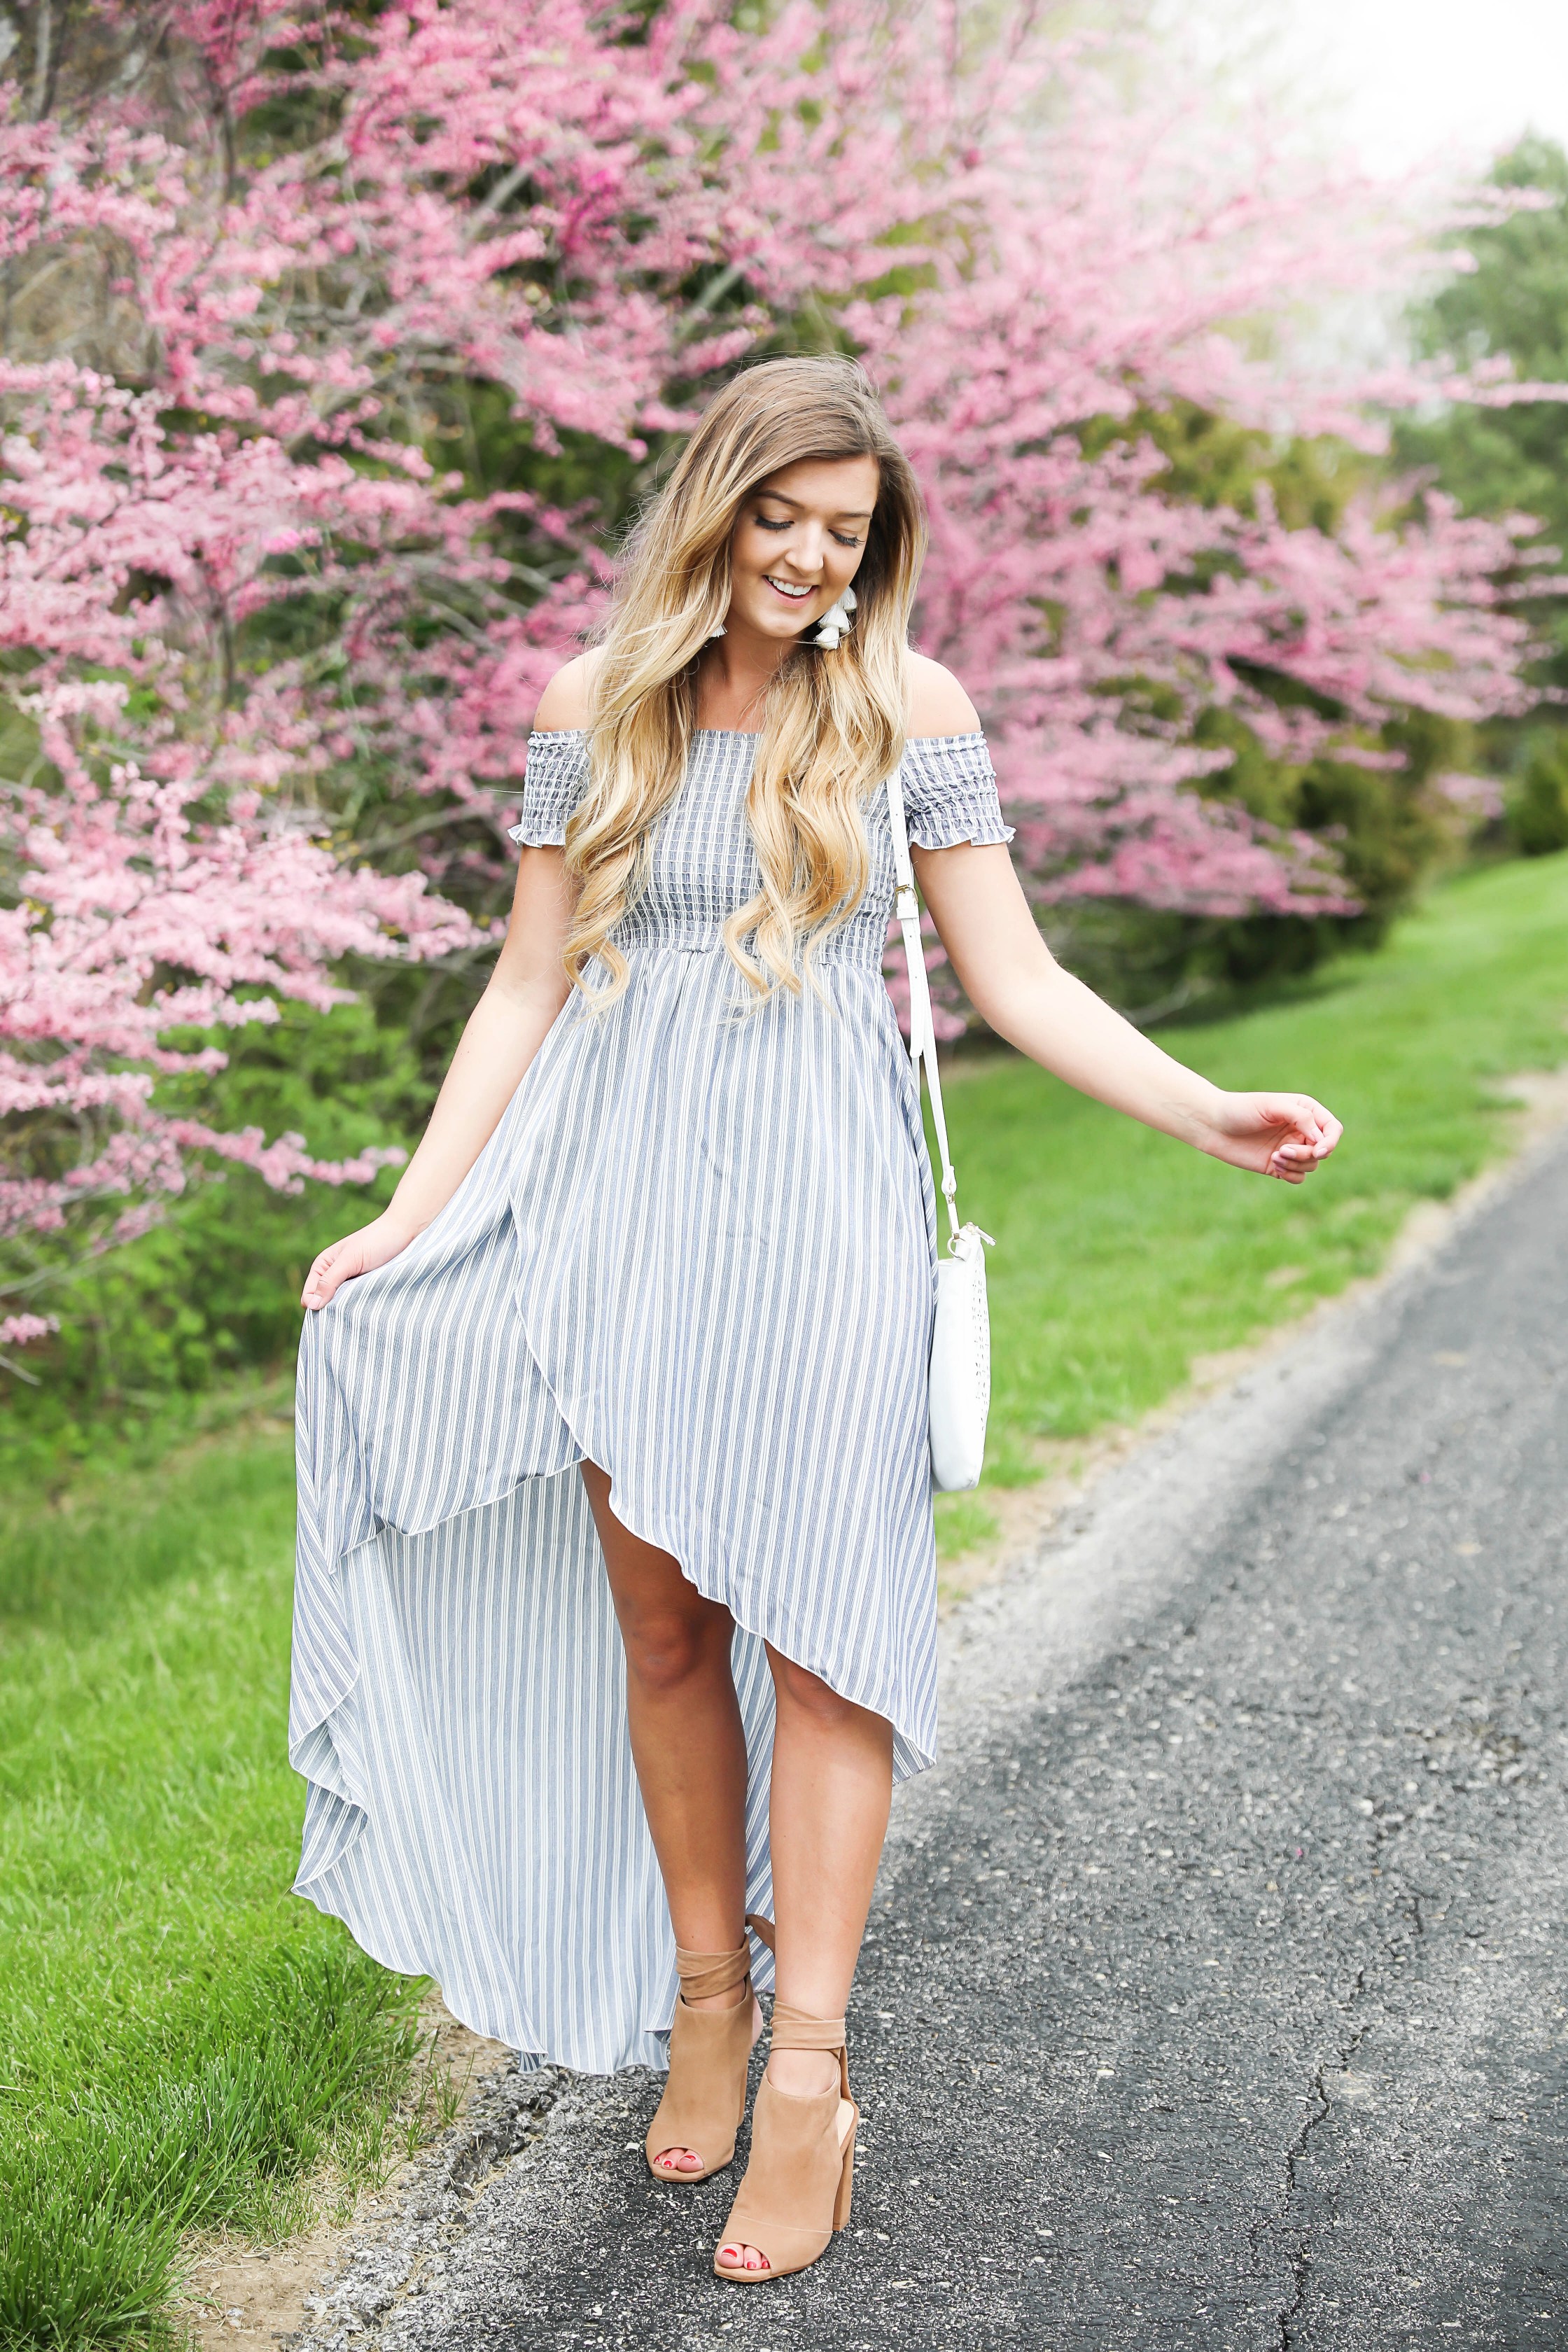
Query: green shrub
x=213, y=1289
x=1538, y=810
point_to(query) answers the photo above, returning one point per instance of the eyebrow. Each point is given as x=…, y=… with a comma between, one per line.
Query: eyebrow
x=845, y=514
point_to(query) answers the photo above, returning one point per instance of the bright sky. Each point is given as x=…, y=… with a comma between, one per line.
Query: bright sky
x=1403, y=83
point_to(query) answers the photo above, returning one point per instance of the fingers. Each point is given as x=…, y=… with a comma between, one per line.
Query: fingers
x=1332, y=1131
x=1294, y=1134
x=1320, y=1128
x=345, y=1261
x=324, y=1277
x=1316, y=1133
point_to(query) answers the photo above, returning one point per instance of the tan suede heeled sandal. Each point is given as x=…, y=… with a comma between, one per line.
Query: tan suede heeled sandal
x=709, y=2049
x=800, y=2178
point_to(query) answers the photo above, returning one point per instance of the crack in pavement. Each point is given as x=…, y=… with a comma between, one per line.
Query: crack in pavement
x=1301, y=2259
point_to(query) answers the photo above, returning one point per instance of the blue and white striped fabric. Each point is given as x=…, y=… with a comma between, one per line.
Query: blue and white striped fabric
x=700, y=1251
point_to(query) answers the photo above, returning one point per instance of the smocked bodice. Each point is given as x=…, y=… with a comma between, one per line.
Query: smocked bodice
x=702, y=864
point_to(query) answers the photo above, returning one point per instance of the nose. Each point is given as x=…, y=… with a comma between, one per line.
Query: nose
x=806, y=551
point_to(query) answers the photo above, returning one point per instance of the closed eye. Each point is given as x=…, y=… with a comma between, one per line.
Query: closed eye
x=771, y=523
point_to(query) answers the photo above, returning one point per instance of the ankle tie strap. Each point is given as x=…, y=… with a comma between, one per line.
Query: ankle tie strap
x=704, y=1974
x=795, y=2029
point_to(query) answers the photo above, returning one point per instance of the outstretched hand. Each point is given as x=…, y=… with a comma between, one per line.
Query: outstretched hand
x=359, y=1253
x=1273, y=1135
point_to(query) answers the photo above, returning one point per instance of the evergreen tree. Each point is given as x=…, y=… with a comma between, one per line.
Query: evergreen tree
x=1514, y=305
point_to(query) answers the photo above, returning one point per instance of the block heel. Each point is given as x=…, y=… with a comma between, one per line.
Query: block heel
x=801, y=2179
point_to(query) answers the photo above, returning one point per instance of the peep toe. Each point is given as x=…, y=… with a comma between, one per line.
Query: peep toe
x=709, y=2049
x=800, y=2178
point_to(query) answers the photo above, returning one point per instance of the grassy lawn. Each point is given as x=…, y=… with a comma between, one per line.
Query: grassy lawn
x=182, y=2043
x=182, y=2040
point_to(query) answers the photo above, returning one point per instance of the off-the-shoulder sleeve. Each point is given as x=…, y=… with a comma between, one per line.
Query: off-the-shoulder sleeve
x=950, y=792
x=553, y=781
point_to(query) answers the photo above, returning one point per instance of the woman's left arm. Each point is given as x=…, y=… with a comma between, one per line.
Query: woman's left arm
x=1015, y=985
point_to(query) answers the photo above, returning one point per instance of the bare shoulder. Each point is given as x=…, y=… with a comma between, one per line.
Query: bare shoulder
x=564, y=702
x=938, y=704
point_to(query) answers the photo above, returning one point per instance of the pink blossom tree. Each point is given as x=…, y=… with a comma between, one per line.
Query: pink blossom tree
x=281, y=282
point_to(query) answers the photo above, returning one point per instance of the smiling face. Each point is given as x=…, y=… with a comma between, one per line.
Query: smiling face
x=797, y=543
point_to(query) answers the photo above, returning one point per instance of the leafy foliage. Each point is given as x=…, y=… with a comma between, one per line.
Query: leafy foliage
x=1509, y=304
x=1508, y=309
x=1538, y=811
x=211, y=1290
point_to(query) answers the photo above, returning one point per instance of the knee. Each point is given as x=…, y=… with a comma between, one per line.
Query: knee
x=807, y=1695
x=668, y=1649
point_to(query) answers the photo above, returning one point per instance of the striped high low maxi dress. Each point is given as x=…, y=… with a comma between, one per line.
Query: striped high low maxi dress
x=700, y=1251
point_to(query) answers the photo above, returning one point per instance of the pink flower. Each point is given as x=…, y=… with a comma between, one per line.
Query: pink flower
x=241, y=576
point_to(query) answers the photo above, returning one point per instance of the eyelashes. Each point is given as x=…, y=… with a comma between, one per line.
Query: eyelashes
x=766, y=522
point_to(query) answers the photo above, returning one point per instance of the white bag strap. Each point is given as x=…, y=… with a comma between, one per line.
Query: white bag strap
x=922, y=1035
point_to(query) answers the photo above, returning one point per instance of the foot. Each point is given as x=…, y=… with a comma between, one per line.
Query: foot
x=674, y=2161
x=801, y=2074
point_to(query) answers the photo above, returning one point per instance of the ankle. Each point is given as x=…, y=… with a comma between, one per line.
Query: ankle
x=803, y=2074
x=730, y=1999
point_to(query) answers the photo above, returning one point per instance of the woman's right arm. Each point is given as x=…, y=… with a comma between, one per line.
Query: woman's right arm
x=504, y=1032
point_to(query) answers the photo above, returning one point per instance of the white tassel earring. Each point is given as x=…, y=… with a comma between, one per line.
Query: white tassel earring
x=835, y=622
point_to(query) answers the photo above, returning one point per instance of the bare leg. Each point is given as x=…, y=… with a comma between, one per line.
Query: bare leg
x=832, y=1786
x=687, y=1741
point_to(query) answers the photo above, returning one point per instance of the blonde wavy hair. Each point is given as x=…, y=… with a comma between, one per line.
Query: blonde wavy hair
x=833, y=722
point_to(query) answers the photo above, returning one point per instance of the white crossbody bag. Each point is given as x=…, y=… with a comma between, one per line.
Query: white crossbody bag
x=961, y=1338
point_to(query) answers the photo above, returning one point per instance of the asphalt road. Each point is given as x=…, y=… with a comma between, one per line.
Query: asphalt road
x=1215, y=1990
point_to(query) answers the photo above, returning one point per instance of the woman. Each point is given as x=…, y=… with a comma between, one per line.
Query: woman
x=617, y=1604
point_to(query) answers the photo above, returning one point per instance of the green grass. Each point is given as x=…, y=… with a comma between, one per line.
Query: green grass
x=1121, y=1255
x=182, y=2043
